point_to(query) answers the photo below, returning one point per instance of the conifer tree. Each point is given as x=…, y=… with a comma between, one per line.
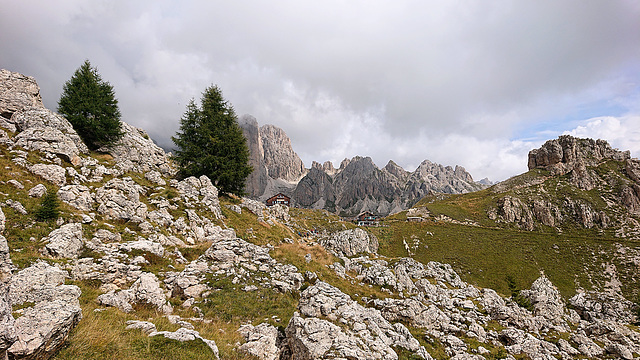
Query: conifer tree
x=210, y=142
x=90, y=105
x=49, y=208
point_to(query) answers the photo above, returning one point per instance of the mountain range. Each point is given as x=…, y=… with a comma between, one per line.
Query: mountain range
x=357, y=185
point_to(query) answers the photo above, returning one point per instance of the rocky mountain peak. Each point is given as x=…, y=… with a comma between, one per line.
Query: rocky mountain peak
x=566, y=153
x=396, y=170
x=344, y=164
x=279, y=158
x=327, y=166
x=275, y=165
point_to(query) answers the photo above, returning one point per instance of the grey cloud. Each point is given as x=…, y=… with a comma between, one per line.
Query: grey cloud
x=414, y=75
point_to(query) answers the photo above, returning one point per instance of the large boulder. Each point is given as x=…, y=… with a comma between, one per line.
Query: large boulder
x=351, y=242
x=17, y=92
x=201, y=191
x=546, y=300
x=43, y=130
x=65, y=242
x=78, y=196
x=261, y=341
x=43, y=328
x=145, y=290
x=50, y=172
x=137, y=152
x=120, y=199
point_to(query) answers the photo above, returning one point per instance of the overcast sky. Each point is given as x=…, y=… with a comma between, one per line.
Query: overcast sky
x=472, y=83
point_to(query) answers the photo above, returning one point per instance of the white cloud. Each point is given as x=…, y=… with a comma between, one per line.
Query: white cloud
x=621, y=132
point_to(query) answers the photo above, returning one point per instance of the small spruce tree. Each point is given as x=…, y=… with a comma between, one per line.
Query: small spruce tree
x=90, y=105
x=210, y=142
x=49, y=208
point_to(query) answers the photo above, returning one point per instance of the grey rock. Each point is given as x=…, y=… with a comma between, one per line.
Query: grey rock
x=326, y=301
x=564, y=154
x=5, y=260
x=17, y=92
x=520, y=342
x=17, y=206
x=359, y=185
x=40, y=282
x=261, y=341
x=155, y=176
x=120, y=199
x=351, y=242
x=143, y=245
x=64, y=242
x=137, y=152
x=183, y=335
x=313, y=338
x=38, y=191
x=244, y=260
x=3, y=219
x=200, y=191
x=593, y=305
x=15, y=183
x=78, y=196
x=546, y=300
x=45, y=131
x=256, y=182
x=146, y=326
x=42, y=329
x=279, y=158
x=7, y=328
x=53, y=173
x=586, y=346
x=144, y=290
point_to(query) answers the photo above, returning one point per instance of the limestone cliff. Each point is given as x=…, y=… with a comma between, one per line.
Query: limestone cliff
x=276, y=167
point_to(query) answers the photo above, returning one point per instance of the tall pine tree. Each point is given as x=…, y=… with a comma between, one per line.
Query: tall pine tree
x=91, y=107
x=210, y=142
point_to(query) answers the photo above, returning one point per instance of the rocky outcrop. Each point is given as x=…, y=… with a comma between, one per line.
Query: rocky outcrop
x=315, y=190
x=367, y=334
x=351, y=243
x=200, y=191
x=40, y=129
x=566, y=194
x=256, y=182
x=562, y=155
x=120, y=199
x=137, y=152
x=262, y=341
x=17, y=92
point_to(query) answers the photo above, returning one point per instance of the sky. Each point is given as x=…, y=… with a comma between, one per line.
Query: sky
x=471, y=83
